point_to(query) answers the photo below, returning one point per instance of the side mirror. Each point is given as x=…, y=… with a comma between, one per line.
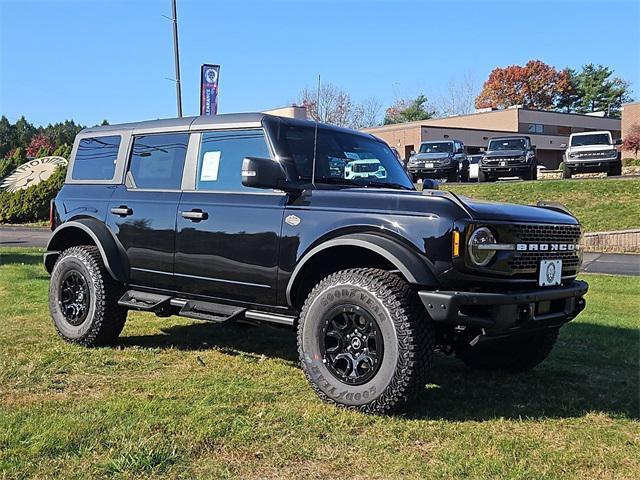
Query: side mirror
x=617, y=141
x=563, y=145
x=413, y=152
x=429, y=184
x=262, y=173
x=460, y=150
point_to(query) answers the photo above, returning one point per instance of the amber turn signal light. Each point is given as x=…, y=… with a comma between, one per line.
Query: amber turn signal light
x=456, y=243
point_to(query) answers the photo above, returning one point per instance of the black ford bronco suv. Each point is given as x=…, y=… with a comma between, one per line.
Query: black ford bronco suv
x=512, y=156
x=439, y=159
x=252, y=217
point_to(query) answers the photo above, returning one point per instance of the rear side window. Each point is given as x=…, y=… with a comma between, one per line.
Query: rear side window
x=221, y=155
x=96, y=158
x=157, y=161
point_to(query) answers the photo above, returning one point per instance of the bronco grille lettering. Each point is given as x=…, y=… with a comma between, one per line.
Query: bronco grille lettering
x=554, y=247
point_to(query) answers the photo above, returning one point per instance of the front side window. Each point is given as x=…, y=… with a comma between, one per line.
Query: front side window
x=341, y=157
x=221, y=155
x=508, y=144
x=436, y=147
x=96, y=158
x=593, y=139
x=157, y=161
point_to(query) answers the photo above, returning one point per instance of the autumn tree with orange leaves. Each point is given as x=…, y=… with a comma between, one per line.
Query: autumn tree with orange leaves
x=535, y=85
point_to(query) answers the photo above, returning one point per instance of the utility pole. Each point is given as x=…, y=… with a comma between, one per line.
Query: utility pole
x=176, y=55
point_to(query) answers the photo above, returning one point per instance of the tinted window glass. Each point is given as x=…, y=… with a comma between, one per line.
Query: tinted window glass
x=342, y=157
x=221, y=155
x=96, y=158
x=157, y=161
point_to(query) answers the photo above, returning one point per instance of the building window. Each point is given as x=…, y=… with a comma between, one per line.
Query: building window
x=535, y=128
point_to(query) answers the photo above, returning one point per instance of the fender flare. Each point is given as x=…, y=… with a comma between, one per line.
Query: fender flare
x=112, y=253
x=408, y=262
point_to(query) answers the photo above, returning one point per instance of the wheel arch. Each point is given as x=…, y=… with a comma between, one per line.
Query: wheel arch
x=88, y=231
x=356, y=250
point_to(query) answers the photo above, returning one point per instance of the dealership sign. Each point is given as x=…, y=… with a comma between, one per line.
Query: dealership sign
x=209, y=89
x=31, y=173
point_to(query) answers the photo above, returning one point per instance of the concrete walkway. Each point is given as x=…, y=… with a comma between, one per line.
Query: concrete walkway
x=612, y=263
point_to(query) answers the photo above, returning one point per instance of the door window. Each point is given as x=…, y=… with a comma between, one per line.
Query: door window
x=157, y=161
x=221, y=155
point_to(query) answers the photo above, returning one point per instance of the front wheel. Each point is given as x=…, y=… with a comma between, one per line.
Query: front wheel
x=515, y=356
x=615, y=170
x=483, y=177
x=365, y=341
x=83, y=298
x=452, y=176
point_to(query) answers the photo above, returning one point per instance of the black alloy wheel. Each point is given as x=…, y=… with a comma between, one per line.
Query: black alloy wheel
x=74, y=297
x=351, y=344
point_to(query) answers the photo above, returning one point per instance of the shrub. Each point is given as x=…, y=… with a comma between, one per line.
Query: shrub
x=631, y=162
x=31, y=204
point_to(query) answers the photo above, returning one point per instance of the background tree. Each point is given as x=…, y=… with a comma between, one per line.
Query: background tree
x=535, y=85
x=409, y=110
x=569, y=92
x=632, y=139
x=458, y=98
x=599, y=90
x=335, y=106
x=40, y=145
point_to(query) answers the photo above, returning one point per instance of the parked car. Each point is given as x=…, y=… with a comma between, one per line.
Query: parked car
x=364, y=169
x=592, y=152
x=474, y=166
x=512, y=156
x=439, y=159
x=249, y=216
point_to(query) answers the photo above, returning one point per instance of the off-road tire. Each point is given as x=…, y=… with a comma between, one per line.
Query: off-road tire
x=105, y=319
x=516, y=356
x=408, y=334
x=566, y=171
x=483, y=177
x=615, y=169
x=464, y=173
x=452, y=176
x=534, y=172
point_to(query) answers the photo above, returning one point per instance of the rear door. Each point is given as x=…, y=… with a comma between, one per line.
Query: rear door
x=227, y=234
x=142, y=212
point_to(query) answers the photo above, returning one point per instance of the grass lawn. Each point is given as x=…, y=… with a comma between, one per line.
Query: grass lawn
x=599, y=204
x=181, y=399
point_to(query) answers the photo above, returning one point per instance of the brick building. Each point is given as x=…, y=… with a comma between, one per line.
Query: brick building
x=548, y=130
x=630, y=116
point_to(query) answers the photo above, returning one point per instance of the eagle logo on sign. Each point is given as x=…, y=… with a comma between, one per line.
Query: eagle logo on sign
x=31, y=173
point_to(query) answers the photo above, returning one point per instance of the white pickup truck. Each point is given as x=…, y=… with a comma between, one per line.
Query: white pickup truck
x=592, y=152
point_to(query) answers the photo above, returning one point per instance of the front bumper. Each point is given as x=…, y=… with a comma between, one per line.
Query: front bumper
x=502, y=313
x=590, y=165
x=499, y=169
x=434, y=172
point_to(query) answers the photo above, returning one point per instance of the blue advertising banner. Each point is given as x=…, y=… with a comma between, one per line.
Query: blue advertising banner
x=209, y=89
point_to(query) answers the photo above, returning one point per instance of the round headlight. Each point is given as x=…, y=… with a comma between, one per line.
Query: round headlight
x=478, y=255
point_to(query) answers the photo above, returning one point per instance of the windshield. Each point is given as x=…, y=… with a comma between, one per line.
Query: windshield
x=436, y=147
x=595, y=139
x=507, y=144
x=342, y=158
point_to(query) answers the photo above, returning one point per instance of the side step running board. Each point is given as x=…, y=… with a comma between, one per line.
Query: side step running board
x=211, y=312
x=148, y=302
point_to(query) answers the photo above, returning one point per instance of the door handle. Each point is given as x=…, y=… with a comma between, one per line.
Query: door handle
x=195, y=215
x=122, y=210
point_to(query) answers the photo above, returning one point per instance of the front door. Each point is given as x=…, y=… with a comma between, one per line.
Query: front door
x=227, y=234
x=142, y=212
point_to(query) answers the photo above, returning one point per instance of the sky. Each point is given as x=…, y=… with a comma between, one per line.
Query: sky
x=96, y=59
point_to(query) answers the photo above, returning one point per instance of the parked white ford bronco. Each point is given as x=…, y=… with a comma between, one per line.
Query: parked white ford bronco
x=592, y=152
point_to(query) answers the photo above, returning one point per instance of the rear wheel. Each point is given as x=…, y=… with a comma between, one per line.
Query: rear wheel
x=83, y=298
x=365, y=341
x=615, y=169
x=511, y=355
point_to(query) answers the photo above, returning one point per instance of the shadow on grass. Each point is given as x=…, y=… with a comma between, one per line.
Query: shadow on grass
x=20, y=259
x=592, y=369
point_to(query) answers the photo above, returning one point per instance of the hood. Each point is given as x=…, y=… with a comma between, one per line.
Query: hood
x=504, y=153
x=591, y=148
x=498, y=211
x=430, y=156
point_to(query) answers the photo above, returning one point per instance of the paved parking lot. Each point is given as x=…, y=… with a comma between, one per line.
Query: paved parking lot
x=612, y=263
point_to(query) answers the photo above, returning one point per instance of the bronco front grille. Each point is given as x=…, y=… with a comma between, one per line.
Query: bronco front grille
x=527, y=262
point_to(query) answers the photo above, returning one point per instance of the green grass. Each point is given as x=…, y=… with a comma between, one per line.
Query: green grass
x=181, y=399
x=599, y=204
